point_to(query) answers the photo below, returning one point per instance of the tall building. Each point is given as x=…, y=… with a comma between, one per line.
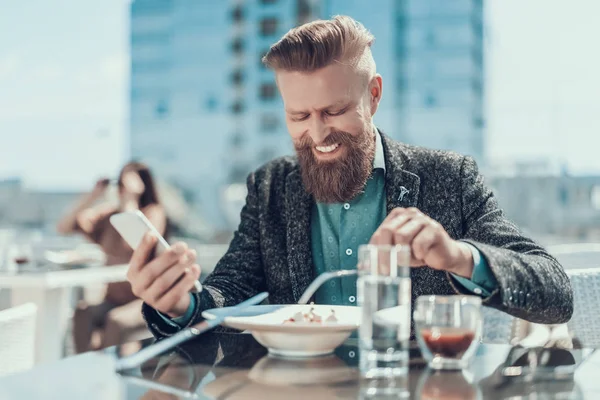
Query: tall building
x=205, y=111
x=440, y=75
x=180, y=113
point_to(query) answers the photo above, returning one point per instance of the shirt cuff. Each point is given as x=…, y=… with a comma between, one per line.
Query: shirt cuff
x=482, y=282
x=182, y=321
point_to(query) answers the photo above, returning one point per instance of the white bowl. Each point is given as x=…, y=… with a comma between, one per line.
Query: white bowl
x=265, y=323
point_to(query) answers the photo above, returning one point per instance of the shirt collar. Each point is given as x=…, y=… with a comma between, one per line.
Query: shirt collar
x=379, y=160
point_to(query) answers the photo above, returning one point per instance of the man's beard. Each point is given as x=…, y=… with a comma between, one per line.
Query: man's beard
x=341, y=179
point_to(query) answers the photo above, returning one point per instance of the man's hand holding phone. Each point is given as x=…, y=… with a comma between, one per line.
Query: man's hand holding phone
x=164, y=282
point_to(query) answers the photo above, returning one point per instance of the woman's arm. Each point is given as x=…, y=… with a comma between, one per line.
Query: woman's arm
x=82, y=211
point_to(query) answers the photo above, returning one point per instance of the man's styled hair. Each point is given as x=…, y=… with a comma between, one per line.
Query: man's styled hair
x=318, y=44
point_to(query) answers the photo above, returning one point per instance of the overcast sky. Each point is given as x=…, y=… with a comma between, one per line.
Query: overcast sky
x=63, y=86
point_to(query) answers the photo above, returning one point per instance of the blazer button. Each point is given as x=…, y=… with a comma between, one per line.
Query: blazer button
x=522, y=298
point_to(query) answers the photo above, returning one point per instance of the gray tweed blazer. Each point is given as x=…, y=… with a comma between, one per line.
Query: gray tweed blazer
x=271, y=250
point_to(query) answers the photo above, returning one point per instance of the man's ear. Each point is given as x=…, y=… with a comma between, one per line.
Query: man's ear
x=375, y=91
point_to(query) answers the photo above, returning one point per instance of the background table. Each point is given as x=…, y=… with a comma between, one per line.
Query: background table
x=50, y=288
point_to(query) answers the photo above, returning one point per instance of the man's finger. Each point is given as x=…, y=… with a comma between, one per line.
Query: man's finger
x=181, y=288
x=424, y=241
x=155, y=268
x=385, y=233
x=167, y=280
x=407, y=231
x=142, y=253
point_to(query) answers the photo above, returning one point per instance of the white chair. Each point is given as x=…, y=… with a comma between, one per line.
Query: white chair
x=498, y=327
x=17, y=338
x=585, y=323
x=576, y=258
x=581, y=262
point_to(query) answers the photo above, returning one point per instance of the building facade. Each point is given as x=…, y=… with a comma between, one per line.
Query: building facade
x=205, y=111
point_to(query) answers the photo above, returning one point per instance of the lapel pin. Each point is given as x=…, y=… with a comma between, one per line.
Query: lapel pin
x=403, y=192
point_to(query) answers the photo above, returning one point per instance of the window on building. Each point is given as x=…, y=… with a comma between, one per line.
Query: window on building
x=237, y=77
x=478, y=122
x=162, y=109
x=238, y=107
x=268, y=26
x=430, y=100
x=237, y=46
x=210, y=103
x=269, y=123
x=237, y=14
x=304, y=9
x=268, y=91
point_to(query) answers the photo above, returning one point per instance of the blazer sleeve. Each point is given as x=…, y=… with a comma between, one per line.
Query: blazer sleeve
x=532, y=285
x=238, y=276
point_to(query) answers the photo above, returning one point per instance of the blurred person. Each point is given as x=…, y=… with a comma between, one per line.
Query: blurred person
x=118, y=316
x=347, y=185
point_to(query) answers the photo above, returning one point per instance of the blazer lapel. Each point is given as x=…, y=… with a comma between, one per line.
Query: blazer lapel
x=401, y=186
x=299, y=254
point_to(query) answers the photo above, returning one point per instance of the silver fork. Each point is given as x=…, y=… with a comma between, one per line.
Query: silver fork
x=321, y=279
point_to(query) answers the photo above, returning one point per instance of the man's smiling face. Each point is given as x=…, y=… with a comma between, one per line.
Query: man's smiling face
x=329, y=117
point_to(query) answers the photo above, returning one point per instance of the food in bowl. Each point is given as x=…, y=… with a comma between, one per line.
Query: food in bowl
x=310, y=317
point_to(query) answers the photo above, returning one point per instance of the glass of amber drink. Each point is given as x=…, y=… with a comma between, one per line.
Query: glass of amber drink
x=448, y=329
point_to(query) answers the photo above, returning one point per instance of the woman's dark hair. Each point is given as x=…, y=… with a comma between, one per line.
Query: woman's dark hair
x=150, y=195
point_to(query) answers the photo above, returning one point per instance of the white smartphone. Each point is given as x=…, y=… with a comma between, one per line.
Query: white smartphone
x=133, y=225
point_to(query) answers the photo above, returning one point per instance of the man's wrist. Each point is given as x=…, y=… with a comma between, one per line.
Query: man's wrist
x=463, y=264
x=181, y=307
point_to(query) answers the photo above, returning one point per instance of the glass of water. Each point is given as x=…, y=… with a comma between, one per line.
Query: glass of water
x=384, y=294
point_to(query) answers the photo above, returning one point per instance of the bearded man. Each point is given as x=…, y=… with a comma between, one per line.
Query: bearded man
x=350, y=184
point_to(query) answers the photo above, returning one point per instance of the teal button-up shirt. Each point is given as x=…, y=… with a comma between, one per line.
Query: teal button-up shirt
x=337, y=230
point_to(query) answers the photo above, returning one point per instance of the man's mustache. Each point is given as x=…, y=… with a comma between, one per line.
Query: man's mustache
x=341, y=137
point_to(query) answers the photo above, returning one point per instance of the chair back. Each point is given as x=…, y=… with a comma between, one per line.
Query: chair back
x=17, y=338
x=585, y=323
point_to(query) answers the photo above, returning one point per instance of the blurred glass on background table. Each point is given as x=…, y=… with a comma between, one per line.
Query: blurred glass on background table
x=384, y=293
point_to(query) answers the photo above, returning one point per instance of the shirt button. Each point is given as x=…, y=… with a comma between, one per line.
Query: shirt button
x=333, y=298
x=352, y=299
x=348, y=252
x=477, y=290
x=351, y=354
x=346, y=206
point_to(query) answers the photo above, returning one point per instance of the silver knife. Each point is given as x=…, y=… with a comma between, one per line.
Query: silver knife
x=186, y=334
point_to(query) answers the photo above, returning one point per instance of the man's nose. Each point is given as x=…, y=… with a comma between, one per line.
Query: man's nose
x=318, y=130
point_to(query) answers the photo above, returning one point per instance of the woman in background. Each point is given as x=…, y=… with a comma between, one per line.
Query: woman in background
x=118, y=317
